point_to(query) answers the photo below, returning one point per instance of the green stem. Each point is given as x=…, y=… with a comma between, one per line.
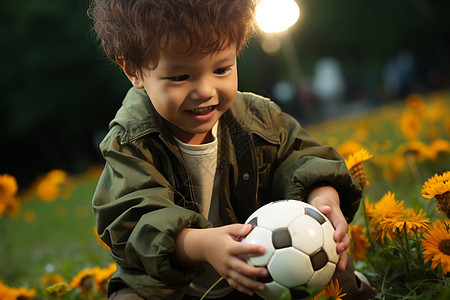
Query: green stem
x=445, y=280
x=409, y=254
x=419, y=247
x=366, y=220
x=369, y=233
x=413, y=167
x=401, y=248
x=408, y=248
x=447, y=225
x=210, y=289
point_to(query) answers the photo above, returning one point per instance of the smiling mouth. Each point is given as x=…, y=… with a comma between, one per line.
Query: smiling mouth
x=203, y=110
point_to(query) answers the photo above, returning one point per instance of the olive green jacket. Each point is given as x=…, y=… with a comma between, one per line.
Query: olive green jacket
x=144, y=196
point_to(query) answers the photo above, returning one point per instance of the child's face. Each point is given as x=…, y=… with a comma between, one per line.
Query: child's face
x=192, y=91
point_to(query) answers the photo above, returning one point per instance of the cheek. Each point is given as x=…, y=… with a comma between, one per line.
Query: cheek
x=174, y=98
x=166, y=100
x=230, y=90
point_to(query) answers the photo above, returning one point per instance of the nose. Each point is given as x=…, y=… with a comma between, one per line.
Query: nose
x=203, y=89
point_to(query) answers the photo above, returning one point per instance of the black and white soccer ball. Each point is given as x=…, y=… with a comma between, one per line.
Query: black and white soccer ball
x=300, y=255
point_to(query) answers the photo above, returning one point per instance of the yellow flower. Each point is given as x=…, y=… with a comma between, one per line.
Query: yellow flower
x=438, y=187
x=332, y=291
x=99, y=240
x=354, y=164
x=438, y=147
x=6, y=293
x=48, y=187
x=57, y=290
x=414, y=149
x=102, y=276
x=348, y=148
x=51, y=279
x=84, y=280
x=386, y=208
x=8, y=191
x=436, y=244
x=357, y=157
x=410, y=125
x=8, y=186
x=430, y=189
x=359, y=243
x=95, y=277
x=21, y=293
x=410, y=221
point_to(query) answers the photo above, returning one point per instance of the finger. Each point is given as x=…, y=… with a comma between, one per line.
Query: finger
x=245, y=283
x=247, y=248
x=247, y=270
x=339, y=223
x=240, y=288
x=341, y=229
x=342, y=263
x=344, y=243
x=323, y=204
x=238, y=230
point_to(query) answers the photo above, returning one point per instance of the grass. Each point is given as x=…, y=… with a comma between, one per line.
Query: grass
x=51, y=237
x=378, y=130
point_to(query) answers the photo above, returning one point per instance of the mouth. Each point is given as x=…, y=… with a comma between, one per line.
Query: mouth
x=203, y=110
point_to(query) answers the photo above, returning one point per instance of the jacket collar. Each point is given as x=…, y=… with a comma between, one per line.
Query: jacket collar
x=138, y=116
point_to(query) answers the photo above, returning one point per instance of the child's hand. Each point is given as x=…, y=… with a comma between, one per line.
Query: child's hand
x=326, y=200
x=222, y=251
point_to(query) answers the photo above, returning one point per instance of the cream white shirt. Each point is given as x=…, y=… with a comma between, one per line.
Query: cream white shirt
x=201, y=162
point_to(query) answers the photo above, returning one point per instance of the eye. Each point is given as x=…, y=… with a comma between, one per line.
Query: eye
x=179, y=78
x=220, y=71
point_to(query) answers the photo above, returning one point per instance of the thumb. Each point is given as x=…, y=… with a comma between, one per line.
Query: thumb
x=239, y=230
x=322, y=203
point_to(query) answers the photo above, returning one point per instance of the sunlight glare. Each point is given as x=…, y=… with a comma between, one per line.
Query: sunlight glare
x=276, y=15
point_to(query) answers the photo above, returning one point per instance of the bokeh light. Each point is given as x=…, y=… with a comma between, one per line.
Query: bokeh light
x=276, y=15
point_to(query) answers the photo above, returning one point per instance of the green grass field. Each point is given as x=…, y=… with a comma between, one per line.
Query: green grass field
x=59, y=240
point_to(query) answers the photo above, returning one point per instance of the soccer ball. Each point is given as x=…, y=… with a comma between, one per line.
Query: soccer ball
x=300, y=255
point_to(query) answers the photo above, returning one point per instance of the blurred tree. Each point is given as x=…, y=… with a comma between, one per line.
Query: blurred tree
x=57, y=90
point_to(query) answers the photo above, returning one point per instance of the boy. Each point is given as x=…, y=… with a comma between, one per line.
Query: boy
x=189, y=158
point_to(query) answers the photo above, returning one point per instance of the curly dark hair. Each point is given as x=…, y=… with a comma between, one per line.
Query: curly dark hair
x=138, y=30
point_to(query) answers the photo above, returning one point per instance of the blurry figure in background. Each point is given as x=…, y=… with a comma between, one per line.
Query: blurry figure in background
x=399, y=75
x=328, y=86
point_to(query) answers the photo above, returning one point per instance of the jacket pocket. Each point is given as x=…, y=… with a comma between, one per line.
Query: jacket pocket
x=263, y=175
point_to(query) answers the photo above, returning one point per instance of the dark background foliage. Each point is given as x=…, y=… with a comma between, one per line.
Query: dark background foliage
x=58, y=92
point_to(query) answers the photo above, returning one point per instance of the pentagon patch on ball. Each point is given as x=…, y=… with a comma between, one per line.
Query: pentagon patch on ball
x=300, y=252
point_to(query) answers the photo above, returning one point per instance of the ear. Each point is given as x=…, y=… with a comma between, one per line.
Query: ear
x=135, y=78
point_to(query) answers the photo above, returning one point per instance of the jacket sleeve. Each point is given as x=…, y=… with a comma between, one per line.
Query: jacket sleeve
x=136, y=215
x=304, y=163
